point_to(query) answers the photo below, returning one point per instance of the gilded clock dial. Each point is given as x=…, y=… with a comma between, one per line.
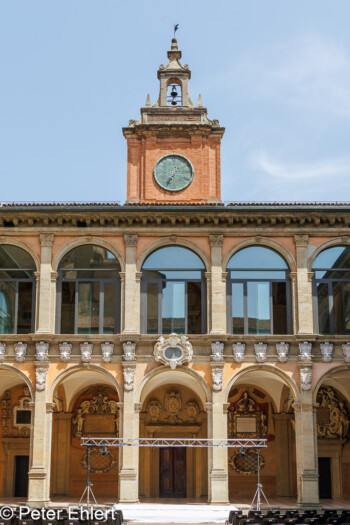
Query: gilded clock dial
x=173, y=172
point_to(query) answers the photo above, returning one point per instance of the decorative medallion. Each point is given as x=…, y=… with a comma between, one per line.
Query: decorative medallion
x=20, y=351
x=41, y=351
x=171, y=411
x=260, y=352
x=217, y=349
x=305, y=351
x=238, y=351
x=282, y=351
x=333, y=420
x=2, y=351
x=326, y=351
x=246, y=461
x=65, y=350
x=306, y=378
x=99, y=463
x=173, y=351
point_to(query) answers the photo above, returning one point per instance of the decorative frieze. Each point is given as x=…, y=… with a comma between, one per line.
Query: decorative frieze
x=107, y=351
x=326, y=351
x=129, y=378
x=282, y=349
x=129, y=351
x=86, y=351
x=305, y=351
x=40, y=378
x=20, y=351
x=306, y=378
x=65, y=350
x=217, y=375
x=346, y=352
x=238, y=351
x=217, y=350
x=174, y=351
x=2, y=351
x=260, y=352
x=41, y=351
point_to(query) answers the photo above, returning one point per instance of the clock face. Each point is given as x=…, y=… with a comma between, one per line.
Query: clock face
x=173, y=172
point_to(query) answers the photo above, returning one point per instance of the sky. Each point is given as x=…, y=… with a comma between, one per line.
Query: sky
x=276, y=73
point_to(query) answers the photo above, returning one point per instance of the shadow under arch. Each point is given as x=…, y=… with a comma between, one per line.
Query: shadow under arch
x=78, y=368
x=285, y=378
x=149, y=383
x=169, y=241
x=25, y=247
x=264, y=242
x=25, y=379
x=338, y=241
x=328, y=375
x=82, y=241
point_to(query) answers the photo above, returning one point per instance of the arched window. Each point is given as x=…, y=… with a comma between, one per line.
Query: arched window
x=88, y=292
x=17, y=290
x=173, y=292
x=258, y=292
x=332, y=290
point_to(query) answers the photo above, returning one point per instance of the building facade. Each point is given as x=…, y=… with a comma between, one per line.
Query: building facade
x=175, y=315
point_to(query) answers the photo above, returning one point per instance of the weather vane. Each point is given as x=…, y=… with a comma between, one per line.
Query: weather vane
x=176, y=27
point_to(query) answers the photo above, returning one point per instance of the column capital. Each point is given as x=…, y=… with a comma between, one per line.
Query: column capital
x=130, y=240
x=301, y=241
x=50, y=408
x=46, y=240
x=216, y=240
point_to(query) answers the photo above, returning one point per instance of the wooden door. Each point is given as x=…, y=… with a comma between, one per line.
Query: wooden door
x=172, y=472
x=21, y=476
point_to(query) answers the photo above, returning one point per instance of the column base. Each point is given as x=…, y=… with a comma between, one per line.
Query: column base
x=128, y=486
x=218, y=480
x=308, y=490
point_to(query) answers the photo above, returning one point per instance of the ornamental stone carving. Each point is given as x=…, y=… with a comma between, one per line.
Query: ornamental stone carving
x=86, y=351
x=98, y=405
x=216, y=240
x=2, y=351
x=107, y=351
x=40, y=377
x=174, y=351
x=306, y=378
x=46, y=239
x=171, y=411
x=305, y=351
x=20, y=351
x=41, y=351
x=129, y=378
x=282, y=349
x=260, y=352
x=65, y=350
x=217, y=349
x=130, y=240
x=217, y=375
x=332, y=415
x=346, y=352
x=327, y=351
x=129, y=351
x=238, y=351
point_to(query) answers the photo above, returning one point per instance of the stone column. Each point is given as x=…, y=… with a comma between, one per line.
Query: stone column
x=45, y=322
x=131, y=287
x=217, y=288
x=304, y=288
x=306, y=448
x=61, y=453
x=129, y=461
x=40, y=441
x=217, y=459
x=283, y=430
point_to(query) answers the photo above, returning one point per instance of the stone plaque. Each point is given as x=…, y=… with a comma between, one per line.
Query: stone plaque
x=246, y=424
x=99, y=424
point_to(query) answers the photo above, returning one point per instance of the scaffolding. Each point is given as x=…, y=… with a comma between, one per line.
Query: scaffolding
x=101, y=442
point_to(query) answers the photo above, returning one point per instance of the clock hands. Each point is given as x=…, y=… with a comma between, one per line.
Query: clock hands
x=172, y=175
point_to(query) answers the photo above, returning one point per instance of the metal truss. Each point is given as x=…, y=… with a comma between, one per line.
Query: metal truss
x=170, y=442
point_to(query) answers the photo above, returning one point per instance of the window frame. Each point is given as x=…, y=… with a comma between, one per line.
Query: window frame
x=17, y=281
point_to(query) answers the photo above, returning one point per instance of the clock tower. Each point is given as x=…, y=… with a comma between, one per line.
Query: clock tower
x=173, y=149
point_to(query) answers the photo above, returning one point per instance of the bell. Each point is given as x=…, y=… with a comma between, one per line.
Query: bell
x=173, y=92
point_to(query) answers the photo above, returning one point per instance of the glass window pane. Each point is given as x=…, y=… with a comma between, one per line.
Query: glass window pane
x=90, y=274
x=253, y=274
x=258, y=308
x=341, y=307
x=14, y=257
x=173, y=308
x=25, y=296
x=152, y=308
x=336, y=257
x=67, y=308
x=279, y=305
x=89, y=256
x=88, y=308
x=257, y=257
x=7, y=307
x=173, y=257
x=109, y=309
x=194, y=308
x=323, y=308
x=237, y=308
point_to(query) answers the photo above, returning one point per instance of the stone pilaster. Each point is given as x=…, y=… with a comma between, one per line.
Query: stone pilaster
x=283, y=430
x=217, y=287
x=129, y=458
x=61, y=453
x=40, y=445
x=306, y=450
x=217, y=456
x=46, y=314
x=304, y=289
x=131, y=280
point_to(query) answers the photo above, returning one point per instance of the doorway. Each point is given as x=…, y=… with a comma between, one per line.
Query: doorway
x=172, y=472
x=324, y=478
x=21, y=476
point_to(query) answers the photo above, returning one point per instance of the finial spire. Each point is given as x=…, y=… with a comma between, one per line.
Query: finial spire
x=176, y=27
